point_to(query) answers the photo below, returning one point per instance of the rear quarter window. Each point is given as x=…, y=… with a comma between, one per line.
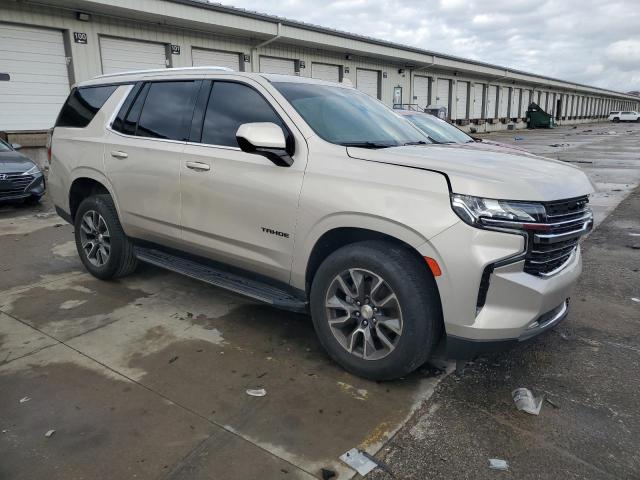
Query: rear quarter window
x=82, y=105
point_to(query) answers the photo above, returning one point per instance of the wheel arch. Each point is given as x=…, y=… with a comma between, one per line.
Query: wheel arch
x=87, y=182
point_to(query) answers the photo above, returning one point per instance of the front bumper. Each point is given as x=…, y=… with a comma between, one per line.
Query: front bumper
x=504, y=307
x=17, y=186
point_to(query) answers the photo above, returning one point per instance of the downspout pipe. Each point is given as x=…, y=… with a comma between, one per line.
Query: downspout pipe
x=254, y=50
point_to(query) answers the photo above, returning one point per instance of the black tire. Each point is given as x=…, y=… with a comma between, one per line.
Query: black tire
x=616, y=120
x=122, y=259
x=418, y=299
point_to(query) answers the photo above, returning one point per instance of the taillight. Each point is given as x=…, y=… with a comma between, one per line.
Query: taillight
x=49, y=139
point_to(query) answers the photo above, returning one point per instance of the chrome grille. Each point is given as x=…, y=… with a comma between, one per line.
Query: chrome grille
x=14, y=184
x=553, y=243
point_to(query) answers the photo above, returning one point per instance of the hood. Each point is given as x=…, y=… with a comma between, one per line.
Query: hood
x=490, y=173
x=13, y=161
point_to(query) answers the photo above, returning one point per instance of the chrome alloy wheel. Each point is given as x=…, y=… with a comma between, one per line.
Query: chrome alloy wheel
x=364, y=314
x=94, y=238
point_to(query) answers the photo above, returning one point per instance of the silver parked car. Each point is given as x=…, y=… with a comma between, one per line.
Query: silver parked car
x=314, y=197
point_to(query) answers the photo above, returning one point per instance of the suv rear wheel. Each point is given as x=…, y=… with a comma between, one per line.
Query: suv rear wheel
x=376, y=309
x=616, y=119
x=104, y=249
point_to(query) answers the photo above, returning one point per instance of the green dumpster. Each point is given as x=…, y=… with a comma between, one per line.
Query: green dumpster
x=538, y=118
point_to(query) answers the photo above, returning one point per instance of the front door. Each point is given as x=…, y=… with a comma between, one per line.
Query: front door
x=239, y=208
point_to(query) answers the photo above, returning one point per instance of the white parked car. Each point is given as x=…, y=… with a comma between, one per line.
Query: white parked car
x=314, y=197
x=629, y=116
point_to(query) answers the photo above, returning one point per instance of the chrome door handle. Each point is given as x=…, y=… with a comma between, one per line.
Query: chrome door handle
x=118, y=154
x=199, y=166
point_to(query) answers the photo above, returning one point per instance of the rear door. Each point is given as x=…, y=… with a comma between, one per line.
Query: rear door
x=142, y=157
x=239, y=208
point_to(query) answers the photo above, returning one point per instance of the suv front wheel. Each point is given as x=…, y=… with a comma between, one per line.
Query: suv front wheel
x=376, y=309
x=104, y=249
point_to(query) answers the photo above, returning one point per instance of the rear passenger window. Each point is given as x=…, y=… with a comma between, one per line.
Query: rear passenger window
x=230, y=105
x=82, y=105
x=167, y=110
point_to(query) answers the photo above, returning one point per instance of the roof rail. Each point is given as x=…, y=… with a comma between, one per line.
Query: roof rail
x=161, y=70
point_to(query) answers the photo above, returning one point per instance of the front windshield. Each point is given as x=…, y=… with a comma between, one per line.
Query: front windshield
x=4, y=147
x=345, y=116
x=439, y=130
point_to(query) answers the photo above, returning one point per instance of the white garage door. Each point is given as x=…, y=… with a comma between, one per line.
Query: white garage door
x=421, y=91
x=120, y=55
x=462, y=95
x=34, y=58
x=525, y=102
x=503, y=102
x=367, y=81
x=515, y=103
x=214, y=58
x=543, y=101
x=322, y=71
x=476, y=109
x=283, y=66
x=492, y=101
x=442, y=94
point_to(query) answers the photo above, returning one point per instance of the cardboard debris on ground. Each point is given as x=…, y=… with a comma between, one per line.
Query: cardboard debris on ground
x=357, y=460
x=259, y=392
x=498, y=464
x=525, y=401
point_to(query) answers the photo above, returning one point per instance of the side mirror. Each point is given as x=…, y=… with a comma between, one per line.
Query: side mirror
x=16, y=146
x=266, y=139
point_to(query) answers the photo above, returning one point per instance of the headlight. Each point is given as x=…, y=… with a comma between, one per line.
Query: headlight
x=35, y=170
x=491, y=213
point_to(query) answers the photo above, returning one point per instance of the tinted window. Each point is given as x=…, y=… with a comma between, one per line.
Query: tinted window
x=231, y=105
x=82, y=105
x=131, y=115
x=167, y=110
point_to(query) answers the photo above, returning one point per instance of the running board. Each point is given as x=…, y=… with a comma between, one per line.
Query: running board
x=232, y=282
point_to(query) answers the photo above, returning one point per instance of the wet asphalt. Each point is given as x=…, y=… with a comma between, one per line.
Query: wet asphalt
x=146, y=377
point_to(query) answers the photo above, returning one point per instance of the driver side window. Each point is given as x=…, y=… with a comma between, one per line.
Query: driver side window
x=229, y=106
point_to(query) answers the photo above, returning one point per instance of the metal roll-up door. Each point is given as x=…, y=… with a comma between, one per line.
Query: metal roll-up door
x=421, y=91
x=462, y=96
x=323, y=71
x=368, y=81
x=492, y=96
x=442, y=94
x=476, y=108
x=201, y=57
x=551, y=102
x=283, y=66
x=121, y=55
x=525, y=103
x=514, y=111
x=503, y=102
x=543, y=101
x=38, y=82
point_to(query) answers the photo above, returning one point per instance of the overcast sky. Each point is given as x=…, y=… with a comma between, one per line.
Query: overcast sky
x=596, y=42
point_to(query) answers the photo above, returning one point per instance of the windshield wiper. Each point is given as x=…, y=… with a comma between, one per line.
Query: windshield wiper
x=367, y=144
x=419, y=142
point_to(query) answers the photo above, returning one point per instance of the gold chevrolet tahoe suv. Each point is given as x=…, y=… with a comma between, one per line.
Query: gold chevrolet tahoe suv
x=314, y=197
